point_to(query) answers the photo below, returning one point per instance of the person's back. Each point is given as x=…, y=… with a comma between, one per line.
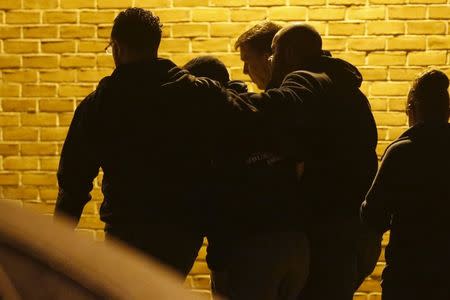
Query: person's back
x=341, y=145
x=411, y=197
x=153, y=129
x=420, y=230
x=150, y=151
x=340, y=163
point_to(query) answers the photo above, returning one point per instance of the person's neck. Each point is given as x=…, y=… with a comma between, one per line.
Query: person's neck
x=138, y=60
x=429, y=122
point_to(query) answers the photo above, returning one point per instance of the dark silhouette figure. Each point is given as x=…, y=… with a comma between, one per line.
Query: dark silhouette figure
x=314, y=105
x=259, y=256
x=153, y=129
x=411, y=197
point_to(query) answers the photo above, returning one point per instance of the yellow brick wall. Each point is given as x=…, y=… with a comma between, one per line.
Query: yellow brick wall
x=51, y=56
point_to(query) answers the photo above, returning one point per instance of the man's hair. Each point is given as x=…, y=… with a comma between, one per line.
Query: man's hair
x=138, y=29
x=259, y=37
x=208, y=66
x=429, y=94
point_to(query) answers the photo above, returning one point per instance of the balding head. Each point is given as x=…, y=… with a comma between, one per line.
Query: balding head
x=294, y=48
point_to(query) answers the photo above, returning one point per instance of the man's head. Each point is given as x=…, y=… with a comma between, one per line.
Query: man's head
x=428, y=99
x=208, y=66
x=135, y=36
x=255, y=48
x=294, y=47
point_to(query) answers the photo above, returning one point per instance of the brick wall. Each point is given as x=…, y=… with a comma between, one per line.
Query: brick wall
x=51, y=56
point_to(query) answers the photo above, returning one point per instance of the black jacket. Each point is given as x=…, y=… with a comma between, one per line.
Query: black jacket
x=153, y=129
x=327, y=123
x=411, y=197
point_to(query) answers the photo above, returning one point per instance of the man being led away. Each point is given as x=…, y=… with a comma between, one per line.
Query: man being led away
x=255, y=251
x=152, y=128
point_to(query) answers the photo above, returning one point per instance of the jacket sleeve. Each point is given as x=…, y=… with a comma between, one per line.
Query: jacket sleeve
x=289, y=112
x=376, y=210
x=78, y=166
x=298, y=92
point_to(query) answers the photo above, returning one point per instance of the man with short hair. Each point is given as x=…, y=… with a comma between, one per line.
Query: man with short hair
x=153, y=129
x=254, y=252
x=212, y=68
x=254, y=47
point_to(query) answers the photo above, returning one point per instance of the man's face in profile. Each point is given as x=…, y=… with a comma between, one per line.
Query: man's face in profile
x=256, y=65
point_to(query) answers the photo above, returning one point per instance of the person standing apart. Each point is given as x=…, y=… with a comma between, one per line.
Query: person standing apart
x=411, y=197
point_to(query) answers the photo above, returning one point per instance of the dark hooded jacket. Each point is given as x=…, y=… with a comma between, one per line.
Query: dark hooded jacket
x=153, y=129
x=410, y=197
x=319, y=117
x=334, y=131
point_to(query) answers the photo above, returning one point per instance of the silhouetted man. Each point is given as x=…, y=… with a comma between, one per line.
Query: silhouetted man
x=323, y=119
x=152, y=128
x=254, y=47
x=245, y=256
x=246, y=231
x=410, y=196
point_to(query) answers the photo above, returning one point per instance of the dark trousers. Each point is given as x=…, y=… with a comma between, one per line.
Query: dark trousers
x=171, y=245
x=412, y=282
x=418, y=291
x=272, y=266
x=333, y=270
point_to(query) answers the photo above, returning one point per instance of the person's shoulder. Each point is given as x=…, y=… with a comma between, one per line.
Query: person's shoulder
x=309, y=75
x=399, y=148
x=308, y=79
x=105, y=82
x=94, y=98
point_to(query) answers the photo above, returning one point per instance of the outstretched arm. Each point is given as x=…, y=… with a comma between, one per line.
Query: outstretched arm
x=289, y=113
x=299, y=91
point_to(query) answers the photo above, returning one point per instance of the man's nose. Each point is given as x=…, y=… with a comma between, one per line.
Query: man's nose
x=245, y=70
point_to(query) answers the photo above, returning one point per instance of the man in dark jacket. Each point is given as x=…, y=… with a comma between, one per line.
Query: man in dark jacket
x=152, y=128
x=339, y=140
x=245, y=230
x=338, y=133
x=318, y=116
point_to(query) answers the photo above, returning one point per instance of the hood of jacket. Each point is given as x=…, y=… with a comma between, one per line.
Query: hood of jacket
x=340, y=71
